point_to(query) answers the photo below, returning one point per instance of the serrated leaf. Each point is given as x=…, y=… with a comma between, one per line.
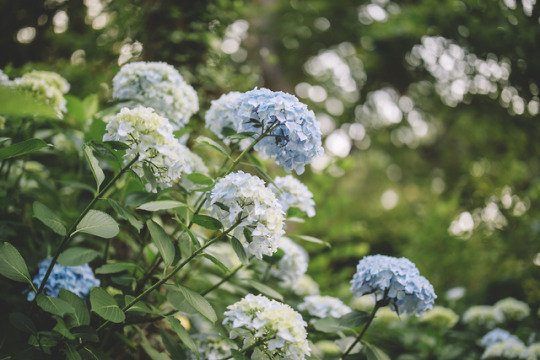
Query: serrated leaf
x=21, y=148
x=207, y=222
x=49, y=218
x=239, y=250
x=94, y=165
x=81, y=315
x=182, y=334
x=22, y=322
x=194, y=299
x=200, y=179
x=161, y=205
x=99, y=224
x=104, y=305
x=162, y=242
x=54, y=305
x=77, y=256
x=12, y=264
x=264, y=289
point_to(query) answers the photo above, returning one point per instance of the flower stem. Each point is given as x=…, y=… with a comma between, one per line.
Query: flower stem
x=222, y=281
x=364, y=329
x=73, y=227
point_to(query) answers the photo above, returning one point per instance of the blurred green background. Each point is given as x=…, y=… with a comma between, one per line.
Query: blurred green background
x=429, y=111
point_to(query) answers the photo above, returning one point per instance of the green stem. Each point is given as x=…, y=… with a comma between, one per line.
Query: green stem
x=174, y=271
x=364, y=329
x=222, y=281
x=72, y=229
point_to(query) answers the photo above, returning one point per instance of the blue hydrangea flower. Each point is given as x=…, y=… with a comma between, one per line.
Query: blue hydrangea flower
x=496, y=336
x=295, y=142
x=398, y=279
x=77, y=279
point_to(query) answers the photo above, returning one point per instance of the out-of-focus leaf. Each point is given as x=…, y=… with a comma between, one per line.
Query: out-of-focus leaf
x=21, y=148
x=49, y=218
x=162, y=241
x=76, y=256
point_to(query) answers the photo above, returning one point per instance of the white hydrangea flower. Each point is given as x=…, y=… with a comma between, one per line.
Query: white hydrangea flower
x=292, y=265
x=283, y=331
x=221, y=114
x=440, y=317
x=150, y=137
x=324, y=306
x=42, y=91
x=157, y=85
x=51, y=78
x=291, y=192
x=244, y=195
x=508, y=349
x=483, y=316
x=532, y=352
x=306, y=286
x=4, y=79
x=211, y=346
x=513, y=309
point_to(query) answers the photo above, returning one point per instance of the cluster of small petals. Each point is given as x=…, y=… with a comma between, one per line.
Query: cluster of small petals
x=440, y=317
x=513, y=309
x=4, y=79
x=324, y=306
x=157, y=85
x=292, y=193
x=532, y=352
x=150, y=137
x=280, y=327
x=243, y=196
x=296, y=137
x=221, y=114
x=211, y=346
x=508, y=349
x=306, y=286
x=51, y=78
x=41, y=90
x=77, y=279
x=293, y=265
x=398, y=279
x=495, y=336
x=483, y=316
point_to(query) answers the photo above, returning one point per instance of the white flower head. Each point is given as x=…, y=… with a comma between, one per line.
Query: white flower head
x=4, y=79
x=513, y=309
x=241, y=195
x=293, y=265
x=150, y=137
x=324, y=306
x=483, y=316
x=160, y=86
x=280, y=329
x=211, y=346
x=306, y=286
x=507, y=349
x=41, y=90
x=292, y=193
x=221, y=114
x=51, y=78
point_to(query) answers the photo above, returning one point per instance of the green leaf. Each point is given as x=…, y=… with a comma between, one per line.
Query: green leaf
x=153, y=353
x=49, y=218
x=162, y=241
x=99, y=224
x=237, y=355
x=140, y=306
x=115, y=267
x=264, y=289
x=94, y=165
x=180, y=293
x=207, y=222
x=12, y=264
x=21, y=148
x=22, y=322
x=329, y=325
x=54, y=305
x=353, y=319
x=217, y=262
x=71, y=352
x=372, y=352
x=126, y=215
x=200, y=179
x=77, y=256
x=214, y=145
x=182, y=334
x=21, y=104
x=81, y=315
x=193, y=238
x=311, y=239
x=62, y=329
x=161, y=205
x=172, y=345
x=239, y=250
x=104, y=305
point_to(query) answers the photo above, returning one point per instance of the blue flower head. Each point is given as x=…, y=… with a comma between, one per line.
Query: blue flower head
x=496, y=336
x=77, y=279
x=398, y=279
x=296, y=139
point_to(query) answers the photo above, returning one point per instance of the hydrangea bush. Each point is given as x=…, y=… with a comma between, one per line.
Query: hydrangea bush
x=166, y=248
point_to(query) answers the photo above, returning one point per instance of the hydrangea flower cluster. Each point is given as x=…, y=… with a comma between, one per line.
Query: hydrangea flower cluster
x=397, y=279
x=306, y=286
x=507, y=349
x=483, y=316
x=324, y=306
x=296, y=139
x=243, y=195
x=77, y=279
x=51, y=78
x=513, y=309
x=257, y=318
x=157, y=85
x=440, y=317
x=291, y=192
x=292, y=265
x=221, y=114
x=495, y=336
x=210, y=346
x=43, y=90
x=150, y=136
x=532, y=352
x=4, y=79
